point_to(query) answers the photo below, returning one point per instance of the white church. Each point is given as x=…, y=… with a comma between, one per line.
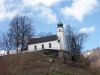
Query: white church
x=56, y=42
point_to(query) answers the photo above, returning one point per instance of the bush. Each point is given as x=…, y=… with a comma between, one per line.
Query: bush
x=93, y=70
x=84, y=61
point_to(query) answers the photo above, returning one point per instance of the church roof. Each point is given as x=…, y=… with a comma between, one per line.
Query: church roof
x=43, y=39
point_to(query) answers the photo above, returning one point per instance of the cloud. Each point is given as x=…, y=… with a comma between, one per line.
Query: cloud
x=42, y=9
x=7, y=9
x=79, y=8
x=47, y=3
x=48, y=15
x=64, y=25
x=87, y=30
x=33, y=8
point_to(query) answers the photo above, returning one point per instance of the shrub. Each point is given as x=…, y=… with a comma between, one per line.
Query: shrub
x=93, y=70
x=84, y=61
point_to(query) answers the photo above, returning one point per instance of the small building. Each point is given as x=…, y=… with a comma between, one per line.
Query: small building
x=49, y=42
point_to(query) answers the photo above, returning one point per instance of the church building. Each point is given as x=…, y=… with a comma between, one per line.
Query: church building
x=56, y=42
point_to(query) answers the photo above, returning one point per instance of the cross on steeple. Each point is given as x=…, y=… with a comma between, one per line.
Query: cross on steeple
x=59, y=20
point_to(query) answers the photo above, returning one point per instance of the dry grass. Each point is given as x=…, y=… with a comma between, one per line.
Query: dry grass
x=36, y=63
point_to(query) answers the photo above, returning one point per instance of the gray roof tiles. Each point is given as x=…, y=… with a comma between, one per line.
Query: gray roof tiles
x=43, y=39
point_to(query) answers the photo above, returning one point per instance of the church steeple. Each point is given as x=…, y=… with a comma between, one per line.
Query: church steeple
x=59, y=24
x=61, y=36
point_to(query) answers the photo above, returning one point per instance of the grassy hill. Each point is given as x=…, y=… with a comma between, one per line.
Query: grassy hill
x=37, y=63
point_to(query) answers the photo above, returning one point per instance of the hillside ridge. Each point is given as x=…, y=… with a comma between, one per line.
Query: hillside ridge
x=31, y=63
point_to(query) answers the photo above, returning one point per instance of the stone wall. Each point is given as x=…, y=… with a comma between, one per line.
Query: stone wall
x=65, y=53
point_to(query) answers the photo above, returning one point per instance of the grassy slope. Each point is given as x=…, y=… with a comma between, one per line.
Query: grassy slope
x=36, y=63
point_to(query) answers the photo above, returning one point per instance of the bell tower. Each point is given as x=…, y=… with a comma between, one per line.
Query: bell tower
x=61, y=36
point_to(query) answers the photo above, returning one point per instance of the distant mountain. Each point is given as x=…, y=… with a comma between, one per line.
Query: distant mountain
x=94, y=57
x=88, y=53
x=3, y=52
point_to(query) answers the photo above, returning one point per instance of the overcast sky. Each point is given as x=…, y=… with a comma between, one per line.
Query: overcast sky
x=80, y=14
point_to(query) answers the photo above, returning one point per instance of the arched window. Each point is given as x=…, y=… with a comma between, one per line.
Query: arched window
x=49, y=45
x=42, y=46
x=35, y=47
x=59, y=30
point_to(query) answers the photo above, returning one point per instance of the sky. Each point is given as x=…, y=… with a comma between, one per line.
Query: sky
x=83, y=15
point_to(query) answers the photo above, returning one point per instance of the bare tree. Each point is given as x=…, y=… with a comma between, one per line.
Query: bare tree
x=6, y=42
x=49, y=34
x=68, y=36
x=21, y=29
x=43, y=34
x=14, y=31
x=74, y=41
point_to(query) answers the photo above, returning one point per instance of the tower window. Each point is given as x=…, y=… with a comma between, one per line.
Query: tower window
x=59, y=30
x=49, y=45
x=42, y=46
x=58, y=39
x=35, y=47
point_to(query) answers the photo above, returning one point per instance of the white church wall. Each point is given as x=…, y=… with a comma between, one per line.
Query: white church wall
x=54, y=45
x=61, y=36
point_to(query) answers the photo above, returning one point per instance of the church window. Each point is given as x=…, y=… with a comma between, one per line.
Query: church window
x=58, y=40
x=42, y=46
x=35, y=47
x=59, y=30
x=49, y=45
